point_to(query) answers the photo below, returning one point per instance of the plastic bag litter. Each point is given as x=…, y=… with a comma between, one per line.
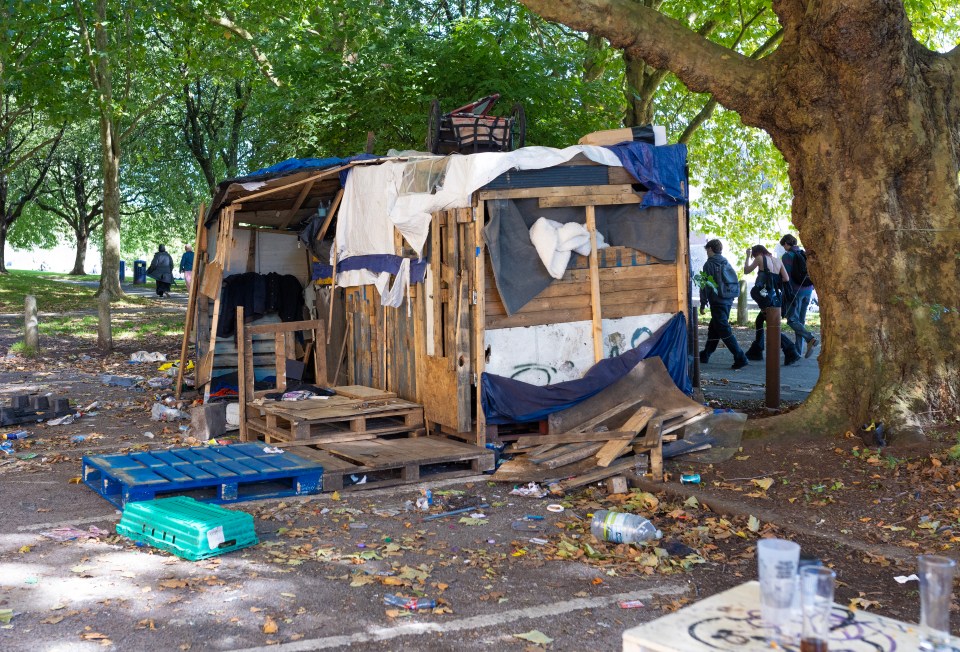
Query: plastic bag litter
x=120, y=381
x=161, y=412
x=532, y=490
x=145, y=356
x=63, y=421
x=160, y=382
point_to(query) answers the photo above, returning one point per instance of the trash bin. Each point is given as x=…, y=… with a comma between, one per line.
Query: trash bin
x=139, y=272
x=123, y=271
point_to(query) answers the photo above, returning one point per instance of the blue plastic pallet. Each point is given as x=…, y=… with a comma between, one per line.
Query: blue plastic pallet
x=238, y=472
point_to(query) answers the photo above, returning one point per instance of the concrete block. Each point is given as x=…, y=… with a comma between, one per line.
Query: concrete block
x=207, y=421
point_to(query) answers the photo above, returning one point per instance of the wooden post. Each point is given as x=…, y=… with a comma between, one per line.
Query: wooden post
x=742, y=317
x=772, y=316
x=198, y=253
x=242, y=355
x=371, y=141
x=479, y=317
x=104, y=329
x=595, y=287
x=31, y=328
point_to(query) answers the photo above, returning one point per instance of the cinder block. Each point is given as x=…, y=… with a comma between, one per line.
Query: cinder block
x=207, y=421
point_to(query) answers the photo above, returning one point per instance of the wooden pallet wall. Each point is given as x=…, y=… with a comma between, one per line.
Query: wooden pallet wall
x=631, y=283
x=381, y=342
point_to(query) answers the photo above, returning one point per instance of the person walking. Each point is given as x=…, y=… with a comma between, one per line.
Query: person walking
x=161, y=269
x=720, y=299
x=186, y=265
x=767, y=292
x=797, y=293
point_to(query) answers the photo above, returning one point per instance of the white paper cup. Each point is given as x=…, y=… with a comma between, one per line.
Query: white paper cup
x=777, y=561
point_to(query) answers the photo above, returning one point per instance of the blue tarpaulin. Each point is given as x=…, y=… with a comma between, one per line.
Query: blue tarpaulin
x=294, y=164
x=506, y=400
x=663, y=170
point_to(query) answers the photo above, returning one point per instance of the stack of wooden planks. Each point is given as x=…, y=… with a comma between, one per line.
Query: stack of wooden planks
x=613, y=442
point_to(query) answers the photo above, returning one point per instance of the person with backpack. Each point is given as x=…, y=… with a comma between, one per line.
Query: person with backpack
x=720, y=291
x=798, y=292
x=767, y=292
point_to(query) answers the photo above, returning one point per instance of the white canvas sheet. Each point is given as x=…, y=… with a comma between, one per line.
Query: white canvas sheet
x=372, y=203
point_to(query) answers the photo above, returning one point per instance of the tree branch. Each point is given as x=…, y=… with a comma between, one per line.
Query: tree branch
x=265, y=67
x=157, y=101
x=27, y=156
x=737, y=82
x=707, y=111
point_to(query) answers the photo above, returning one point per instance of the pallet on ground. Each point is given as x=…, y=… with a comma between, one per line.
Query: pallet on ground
x=335, y=419
x=388, y=462
x=214, y=474
x=187, y=528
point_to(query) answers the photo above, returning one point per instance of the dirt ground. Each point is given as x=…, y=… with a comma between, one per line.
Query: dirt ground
x=317, y=578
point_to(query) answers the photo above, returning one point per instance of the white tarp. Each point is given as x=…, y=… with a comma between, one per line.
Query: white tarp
x=373, y=204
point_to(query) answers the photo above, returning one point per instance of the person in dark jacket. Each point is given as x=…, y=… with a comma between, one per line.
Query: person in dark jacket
x=186, y=265
x=720, y=297
x=161, y=269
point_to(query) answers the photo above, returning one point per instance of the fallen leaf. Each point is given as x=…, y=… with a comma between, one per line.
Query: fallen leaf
x=692, y=503
x=535, y=636
x=270, y=626
x=763, y=483
x=753, y=524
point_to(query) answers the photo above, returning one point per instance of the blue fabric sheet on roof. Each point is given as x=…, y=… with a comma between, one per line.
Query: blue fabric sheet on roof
x=663, y=170
x=506, y=400
x=295, y=164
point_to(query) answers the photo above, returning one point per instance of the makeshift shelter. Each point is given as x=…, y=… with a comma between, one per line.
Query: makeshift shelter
x=443, y=282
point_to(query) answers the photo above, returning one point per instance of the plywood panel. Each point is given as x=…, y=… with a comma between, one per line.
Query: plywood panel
x=278, y=251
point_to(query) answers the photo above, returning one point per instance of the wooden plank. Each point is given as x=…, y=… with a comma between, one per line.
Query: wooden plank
x=361, y=392
x=320, y=364
x=682, y=263
x=599, y=474
x=582, y=452
x=242, y=355
x=280, y=360
x=529, y=441
x=203, y=375
x=313, y=178
x=626, y=197
x=330, y=213
x=191, y=302
x=595, y=312
x=284, y=327
x=614, y=449
x=297, y=203
x=608, y=414
x=550, y=191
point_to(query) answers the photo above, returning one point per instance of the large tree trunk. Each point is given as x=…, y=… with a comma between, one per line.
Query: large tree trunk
x=110, y=269
x=869, y=122
x=82, y=241
x=878, y=202
x=3, y=247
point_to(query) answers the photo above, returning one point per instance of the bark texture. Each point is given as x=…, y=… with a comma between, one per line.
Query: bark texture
x=867, y=120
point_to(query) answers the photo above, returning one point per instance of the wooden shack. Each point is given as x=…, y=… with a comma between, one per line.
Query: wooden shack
x=432, y=350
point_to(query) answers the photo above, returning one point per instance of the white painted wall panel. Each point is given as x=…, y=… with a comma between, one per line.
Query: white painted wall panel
x=553, y=353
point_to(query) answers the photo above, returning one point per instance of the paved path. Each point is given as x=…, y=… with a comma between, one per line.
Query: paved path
x=722, y=383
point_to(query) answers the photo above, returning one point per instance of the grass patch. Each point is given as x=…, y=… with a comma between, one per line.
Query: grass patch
x=53, y=295
x=24, y=350
x=124, y=328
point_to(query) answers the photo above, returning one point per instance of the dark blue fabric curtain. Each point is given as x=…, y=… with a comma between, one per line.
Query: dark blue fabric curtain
x=376, y=263
x=506, y=400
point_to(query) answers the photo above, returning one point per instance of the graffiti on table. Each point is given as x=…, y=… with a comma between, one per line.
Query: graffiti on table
x=847, y=633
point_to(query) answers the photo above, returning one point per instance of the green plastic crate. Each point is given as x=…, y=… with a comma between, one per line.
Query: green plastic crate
x=187, y=528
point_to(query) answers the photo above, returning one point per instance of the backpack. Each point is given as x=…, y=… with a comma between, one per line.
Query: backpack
x=768, y=290
x=728, y=285
x=798, y=269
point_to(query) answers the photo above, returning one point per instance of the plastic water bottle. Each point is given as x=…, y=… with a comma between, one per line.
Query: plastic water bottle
x=19, y=434
x=413, y=604
x=619, y=527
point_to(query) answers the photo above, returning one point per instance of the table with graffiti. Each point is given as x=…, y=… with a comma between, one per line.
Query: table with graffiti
x=730, y=622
